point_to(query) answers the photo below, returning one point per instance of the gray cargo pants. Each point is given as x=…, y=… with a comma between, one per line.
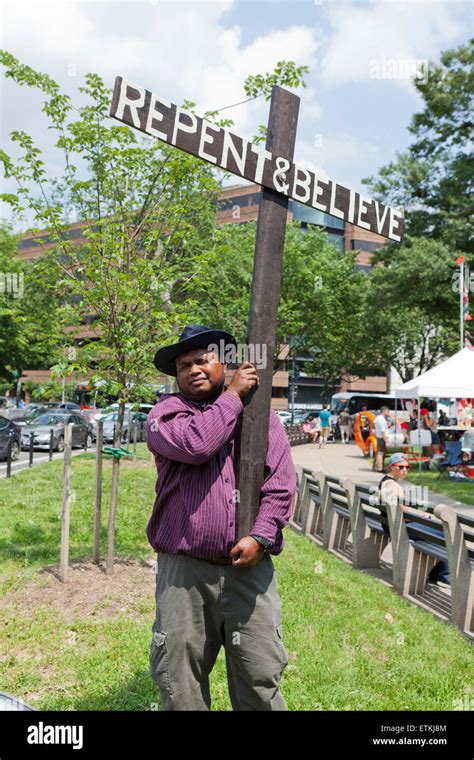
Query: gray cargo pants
x=201, y=607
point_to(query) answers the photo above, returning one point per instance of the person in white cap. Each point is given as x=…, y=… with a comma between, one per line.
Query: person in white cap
x=391, y=493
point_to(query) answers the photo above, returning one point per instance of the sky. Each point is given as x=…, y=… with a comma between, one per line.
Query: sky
x=354, y=112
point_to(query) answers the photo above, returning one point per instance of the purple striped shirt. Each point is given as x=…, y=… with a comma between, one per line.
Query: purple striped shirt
x=194, y=510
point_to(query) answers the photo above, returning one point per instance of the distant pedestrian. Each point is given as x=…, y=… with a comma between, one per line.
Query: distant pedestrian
x=324, y=416
x=345, y=426
x=429, y=423
x=381, y=436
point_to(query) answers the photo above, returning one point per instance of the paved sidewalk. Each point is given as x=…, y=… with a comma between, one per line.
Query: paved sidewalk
x=38, y=458
x=347, y=461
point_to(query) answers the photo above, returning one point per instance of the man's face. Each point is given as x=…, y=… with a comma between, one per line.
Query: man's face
x=199, y=373
x=399, y=470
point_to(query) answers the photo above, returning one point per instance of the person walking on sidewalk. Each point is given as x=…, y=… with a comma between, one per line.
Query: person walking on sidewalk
x=214, y=589
x=345, y=425
x=381, y=436
x=325, y=417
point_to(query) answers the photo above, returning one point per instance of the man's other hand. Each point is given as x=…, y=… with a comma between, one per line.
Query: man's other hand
x=247, y=552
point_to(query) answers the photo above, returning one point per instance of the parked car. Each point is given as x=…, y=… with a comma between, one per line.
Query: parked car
x=110, y=423
x=145, y=408
x=303, y=415
x=9, y=431
x=56, y=421
x=69, y=406
x=89, y=414
x=22, y=416
x=285, y=417
x=100, y=414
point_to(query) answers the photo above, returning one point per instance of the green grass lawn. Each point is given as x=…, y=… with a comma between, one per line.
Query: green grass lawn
x=353, y=643
x=454, y=489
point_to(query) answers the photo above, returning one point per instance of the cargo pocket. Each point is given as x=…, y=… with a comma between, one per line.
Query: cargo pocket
x=159, y=665
x=283, y=652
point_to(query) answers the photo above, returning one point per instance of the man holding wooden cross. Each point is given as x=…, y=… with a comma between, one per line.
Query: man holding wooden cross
x=203, y=604
x=214, y=589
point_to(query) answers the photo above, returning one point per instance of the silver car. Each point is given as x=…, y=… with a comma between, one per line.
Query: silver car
x=42, y=426
x=110, y=423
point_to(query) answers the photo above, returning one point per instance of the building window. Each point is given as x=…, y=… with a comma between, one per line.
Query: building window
x=366, y=245
x=226, y=204
x=314, y=216
x=336, y=240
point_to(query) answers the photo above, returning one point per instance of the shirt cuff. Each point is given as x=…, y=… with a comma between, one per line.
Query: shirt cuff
x=265, y=529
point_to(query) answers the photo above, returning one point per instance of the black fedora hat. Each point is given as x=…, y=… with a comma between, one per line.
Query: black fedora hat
x=193, y=336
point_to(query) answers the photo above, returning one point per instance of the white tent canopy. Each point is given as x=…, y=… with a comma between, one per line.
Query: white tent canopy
x=453, y=378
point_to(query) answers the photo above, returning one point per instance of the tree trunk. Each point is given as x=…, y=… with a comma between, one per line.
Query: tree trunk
x=114, y=494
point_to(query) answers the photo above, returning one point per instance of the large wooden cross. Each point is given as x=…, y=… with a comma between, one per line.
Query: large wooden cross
x=271, y=167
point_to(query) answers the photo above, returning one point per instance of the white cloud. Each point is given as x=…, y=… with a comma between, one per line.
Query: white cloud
x=383, y=31
x=337, y=156
x=180, y=50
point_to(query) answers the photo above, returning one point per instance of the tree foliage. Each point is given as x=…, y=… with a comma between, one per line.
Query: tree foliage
x=413, y=314
x=321, y=299
x=32, y=314
x=433, y=180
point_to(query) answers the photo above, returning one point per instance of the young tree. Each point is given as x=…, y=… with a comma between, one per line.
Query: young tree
x=147, y=213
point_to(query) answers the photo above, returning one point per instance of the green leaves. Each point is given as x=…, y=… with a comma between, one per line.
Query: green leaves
x=415, y=293
x=144, y=213
x=434, y=178
x=32, y=317
x=285, y=74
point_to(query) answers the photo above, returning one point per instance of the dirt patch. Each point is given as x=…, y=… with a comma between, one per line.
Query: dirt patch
x=89, y=592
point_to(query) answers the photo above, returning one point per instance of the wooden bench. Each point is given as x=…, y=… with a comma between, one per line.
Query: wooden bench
x=296, y=435
x=369, y=523
x=314, y=523
x=415, y=550
x=336, y=516
x=329, y=510
x=307, y=517
x=296, y=521
x=459, y=535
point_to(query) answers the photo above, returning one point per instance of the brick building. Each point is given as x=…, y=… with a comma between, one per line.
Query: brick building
x=237, y=205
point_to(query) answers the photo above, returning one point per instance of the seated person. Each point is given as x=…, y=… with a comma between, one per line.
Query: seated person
x=312, y=428
x=391, y=492
x=443, y=419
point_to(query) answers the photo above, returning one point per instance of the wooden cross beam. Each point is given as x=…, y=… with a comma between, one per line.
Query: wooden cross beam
x=156, y=116
x=271, y=167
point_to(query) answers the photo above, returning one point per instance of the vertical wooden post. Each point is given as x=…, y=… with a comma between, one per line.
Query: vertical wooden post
x=272, y=218
x=135, y=435
x=9, y=457
x=98, y=489
x=30, y=452
x=65, y=514
x=109, y=564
